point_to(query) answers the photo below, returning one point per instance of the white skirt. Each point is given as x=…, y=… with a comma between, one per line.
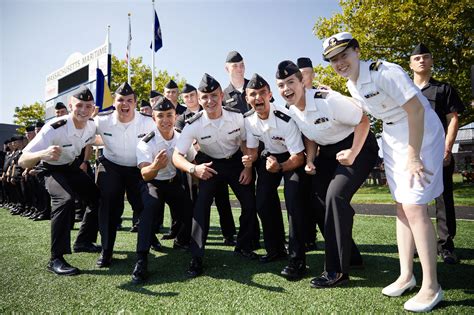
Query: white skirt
x=395, y=153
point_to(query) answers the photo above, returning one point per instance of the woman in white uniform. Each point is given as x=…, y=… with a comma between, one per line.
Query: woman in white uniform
x=413, y=155
x=347, y=154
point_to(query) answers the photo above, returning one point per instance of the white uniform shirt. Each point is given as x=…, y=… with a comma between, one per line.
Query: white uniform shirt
x=146, y=152
x=326, y=120
x=278, y=135
x=382, y=92
x=121, y=140
x=70, y=139
x=219, y=138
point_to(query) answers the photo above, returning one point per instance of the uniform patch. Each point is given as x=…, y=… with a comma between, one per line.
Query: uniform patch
x=149, y=136
x=374, y=66
x=282, y=115
x=231, y=109
x=194, y=118
x=59, y=123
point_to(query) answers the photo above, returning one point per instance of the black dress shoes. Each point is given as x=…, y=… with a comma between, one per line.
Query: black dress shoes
x=195, y=267
x=272, y=257
x=86, y=248
x=229, y=241
x=105, y=260
x=134, y=228
x=295, y=270
x=245, y=253
x=177, y=245
x=60, y=267
x=329, y=280
x=168, y=236
x=311, y=246
x=41, y=217
x=140, y=271
x=156, y=245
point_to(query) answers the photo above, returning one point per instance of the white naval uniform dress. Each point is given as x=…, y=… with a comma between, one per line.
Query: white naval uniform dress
x=281, y=138
x=382, y=91
x=329, y=119
x=64, y=179
x=118, y=172
x=219, y=141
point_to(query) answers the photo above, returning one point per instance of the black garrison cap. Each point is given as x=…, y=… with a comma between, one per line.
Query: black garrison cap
x=83, y=94
x=154, y=93
x=304, y=62
x=144, y=103
x=208, y=84
x=124, y=89
x=285, y=69
x=39, y=124
x=188, y=88
x=30, y=128
x=171, y=85
x=257, y=82
x=59, y=105
x=420, y=49
x=163, y=104
x=234, y=56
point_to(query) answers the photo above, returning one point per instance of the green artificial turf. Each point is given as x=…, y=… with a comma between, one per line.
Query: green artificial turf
x=230, y=284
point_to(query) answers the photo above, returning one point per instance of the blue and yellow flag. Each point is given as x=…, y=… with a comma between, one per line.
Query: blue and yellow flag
x=103, y=98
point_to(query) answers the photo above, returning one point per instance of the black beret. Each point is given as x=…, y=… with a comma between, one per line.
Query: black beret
x=257, y=82
x=304, y=62
x=188, y=88
x=83, y=94
x=124, y=89
x=39, y=124
x=59, y=105
x=163, y=104
x=285, y=69
x=420, y=49
x=154, y=93
x=171, y=85
x=208, y=84
x=234, y=56
x=144, y=103
x=30, y=128
x=7, y=141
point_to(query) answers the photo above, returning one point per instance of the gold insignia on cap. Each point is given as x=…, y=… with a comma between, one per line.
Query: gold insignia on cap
x=332, y=41
x=286, y=72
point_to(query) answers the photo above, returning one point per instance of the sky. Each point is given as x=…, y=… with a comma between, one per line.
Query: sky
x=37, y=37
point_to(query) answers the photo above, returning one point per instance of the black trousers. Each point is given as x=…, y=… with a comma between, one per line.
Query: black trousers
x=63, y=183
x=113, y=180
x=228, y=174
x=171, y=192
x=269, y=210
x=335, y=185
x=445, y=213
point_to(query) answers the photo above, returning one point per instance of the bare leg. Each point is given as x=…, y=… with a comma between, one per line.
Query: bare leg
x=406, y=248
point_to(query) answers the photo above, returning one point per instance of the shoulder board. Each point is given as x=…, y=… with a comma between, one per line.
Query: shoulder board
x=188, y=115
x=59, y=123
x=319, y=94
x=374, y=66
x=144, y=114
x=249, y=113
x=282, y=115
x=231, y=109
x=91, y=119
x=194, y=118
x=149, y=136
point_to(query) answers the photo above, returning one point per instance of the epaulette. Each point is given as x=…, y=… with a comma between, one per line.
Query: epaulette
x=147, y=115
x=59, y=123
x=249, y=113
x=282, y=115
x=194, y=118
x=188, y=115
x=374, y=66
x=91, y=119
x=320, y=94
x=287, y=106
x=231, y=109
x=149, y=136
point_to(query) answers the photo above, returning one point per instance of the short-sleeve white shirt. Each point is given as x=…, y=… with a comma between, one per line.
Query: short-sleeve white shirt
x=328, y=118
x=278, y=135
x=70, y=139
x=120, y=141
x=218, y=138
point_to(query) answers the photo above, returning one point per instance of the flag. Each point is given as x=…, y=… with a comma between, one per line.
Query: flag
x=103, y=98
x=129, y=43
x=157, y=34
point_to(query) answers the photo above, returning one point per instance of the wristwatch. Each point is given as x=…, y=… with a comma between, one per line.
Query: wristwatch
x=192, y=169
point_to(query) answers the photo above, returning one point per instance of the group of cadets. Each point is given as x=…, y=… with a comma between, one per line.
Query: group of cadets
x=188, y=156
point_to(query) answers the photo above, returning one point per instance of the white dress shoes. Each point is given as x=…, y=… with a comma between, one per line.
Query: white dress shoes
x=393, y=290
x=417, y=307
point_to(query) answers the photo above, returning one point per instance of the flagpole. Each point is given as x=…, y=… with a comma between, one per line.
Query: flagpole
x=153, y=48
x=129, y=80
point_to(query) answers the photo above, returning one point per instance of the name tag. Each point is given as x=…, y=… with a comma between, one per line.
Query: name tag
x=321, y=120
x=141, y=135
x=67, y=145
x=89, y=139
x=107, y=134
x=205, y=137
x=372, y=94
x=256, y=136
x=234, y=131
x=278, y=138
x=230, y=100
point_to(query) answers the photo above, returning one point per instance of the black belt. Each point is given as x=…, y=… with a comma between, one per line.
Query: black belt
x=62, y=167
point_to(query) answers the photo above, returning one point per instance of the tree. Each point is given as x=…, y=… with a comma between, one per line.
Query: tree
x=389, y=30
x=28, y=115
x=140, y=77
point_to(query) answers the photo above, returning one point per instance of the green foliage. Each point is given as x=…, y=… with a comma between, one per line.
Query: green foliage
x=140, y=77
x=389, y=30
x=28, y=115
